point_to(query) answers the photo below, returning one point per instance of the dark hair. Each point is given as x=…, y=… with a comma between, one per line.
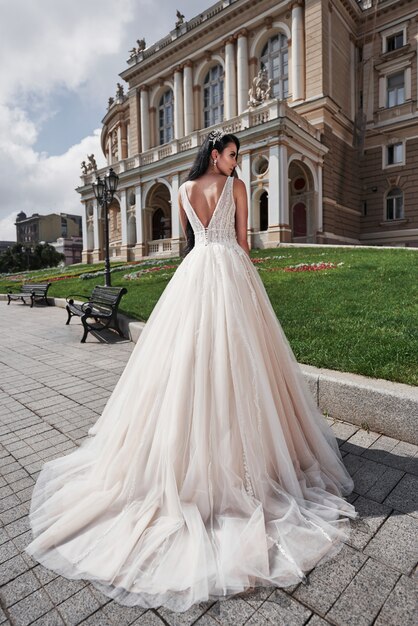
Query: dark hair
x=213, y=141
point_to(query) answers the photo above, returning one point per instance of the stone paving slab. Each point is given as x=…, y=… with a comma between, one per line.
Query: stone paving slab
x=49, y=398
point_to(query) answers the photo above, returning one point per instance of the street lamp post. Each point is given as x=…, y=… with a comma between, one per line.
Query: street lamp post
x=104, y=190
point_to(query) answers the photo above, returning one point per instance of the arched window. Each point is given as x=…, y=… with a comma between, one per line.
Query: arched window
x=274, y=58
x=213, y=96
x=166, y=117
x=394, y=204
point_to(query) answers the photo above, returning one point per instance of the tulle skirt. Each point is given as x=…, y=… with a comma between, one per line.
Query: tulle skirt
x=211, y=470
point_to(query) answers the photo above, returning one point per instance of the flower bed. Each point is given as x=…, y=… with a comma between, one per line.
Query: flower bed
x=136, y=275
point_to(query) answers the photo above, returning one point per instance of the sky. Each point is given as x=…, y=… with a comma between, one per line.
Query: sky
x=59, y=63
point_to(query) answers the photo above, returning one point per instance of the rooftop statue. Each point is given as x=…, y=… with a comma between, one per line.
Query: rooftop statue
x=141, y=44
x=180, y=19
x=92, y=165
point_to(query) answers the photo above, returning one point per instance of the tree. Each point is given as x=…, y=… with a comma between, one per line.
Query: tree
x=19, y=258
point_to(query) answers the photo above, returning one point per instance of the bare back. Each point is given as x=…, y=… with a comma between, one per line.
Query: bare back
x=204, y=194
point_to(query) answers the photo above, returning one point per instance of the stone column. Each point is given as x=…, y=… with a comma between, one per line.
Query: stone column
x=97, y=252
x=145, y=134
x=123, y=141
x=188, y=98
x=198, y=107
x=134, y=122
x=274, y=175
x=84, y=233
x=140, y=247
x=124, y=224
x=246, y=178
x=119, y=135
x=319, y=207
x=284, y=223
x=298, y=52
x=178, y=104
x=242, y=71
x=176, y=229
x=230, y=97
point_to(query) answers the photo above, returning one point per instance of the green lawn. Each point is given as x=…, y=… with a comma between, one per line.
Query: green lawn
x=360, y=317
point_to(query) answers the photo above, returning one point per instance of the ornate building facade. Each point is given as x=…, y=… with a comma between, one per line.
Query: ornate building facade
x=323, y=97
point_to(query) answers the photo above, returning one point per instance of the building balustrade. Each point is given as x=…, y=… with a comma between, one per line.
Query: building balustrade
x=159, y=247
x=250, y=118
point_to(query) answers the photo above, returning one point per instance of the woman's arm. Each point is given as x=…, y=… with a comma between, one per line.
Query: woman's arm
x=241, y=214
x=183, y=216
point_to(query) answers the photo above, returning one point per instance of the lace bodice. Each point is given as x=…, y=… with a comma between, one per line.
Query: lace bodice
x=221, y=227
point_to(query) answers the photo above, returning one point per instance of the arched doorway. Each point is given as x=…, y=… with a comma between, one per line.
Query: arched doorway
x=158, y=225
x=264, y=210
x=158, y=218
x=301, y=203
x=299, y=220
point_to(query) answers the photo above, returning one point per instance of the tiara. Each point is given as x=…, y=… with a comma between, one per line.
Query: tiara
x=216, y=135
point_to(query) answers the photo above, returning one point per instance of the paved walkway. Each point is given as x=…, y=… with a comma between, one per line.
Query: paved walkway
x=50, y=394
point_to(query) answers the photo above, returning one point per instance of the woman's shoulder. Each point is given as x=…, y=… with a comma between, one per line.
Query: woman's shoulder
x=239, y=185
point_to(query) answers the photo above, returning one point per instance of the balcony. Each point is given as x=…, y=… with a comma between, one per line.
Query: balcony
x=271, y=110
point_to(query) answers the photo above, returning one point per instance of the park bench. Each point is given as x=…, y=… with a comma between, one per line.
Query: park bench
x=32, y=291
x=101, y=306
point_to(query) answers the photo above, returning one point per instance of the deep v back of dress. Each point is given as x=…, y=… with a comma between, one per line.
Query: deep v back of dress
x=211, y=469
x=221, y=226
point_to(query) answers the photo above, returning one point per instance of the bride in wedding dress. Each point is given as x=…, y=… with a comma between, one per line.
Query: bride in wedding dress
x=211, y=469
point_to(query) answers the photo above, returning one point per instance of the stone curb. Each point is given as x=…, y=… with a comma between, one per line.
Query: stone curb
x=372, y=403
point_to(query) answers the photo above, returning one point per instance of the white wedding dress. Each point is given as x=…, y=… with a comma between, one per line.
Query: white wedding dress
x=211, y=469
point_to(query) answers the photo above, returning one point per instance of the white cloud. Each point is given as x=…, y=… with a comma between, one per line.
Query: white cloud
x=45, y=184
x=51, y=48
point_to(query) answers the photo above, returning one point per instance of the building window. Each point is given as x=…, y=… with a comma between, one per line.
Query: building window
x=213, y=96
x=393, y=42
x=166, y=117
x=394, y=204
x=64, y=227
x=396, y=89
x=274, y=58
x=394, y=154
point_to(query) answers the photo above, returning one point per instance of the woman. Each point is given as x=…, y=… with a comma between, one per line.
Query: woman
x=211, y=469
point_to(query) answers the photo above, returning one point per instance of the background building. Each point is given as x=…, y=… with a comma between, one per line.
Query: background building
x=329, y=150
x=70, y=247
x=62, y=230
x=46, y=228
